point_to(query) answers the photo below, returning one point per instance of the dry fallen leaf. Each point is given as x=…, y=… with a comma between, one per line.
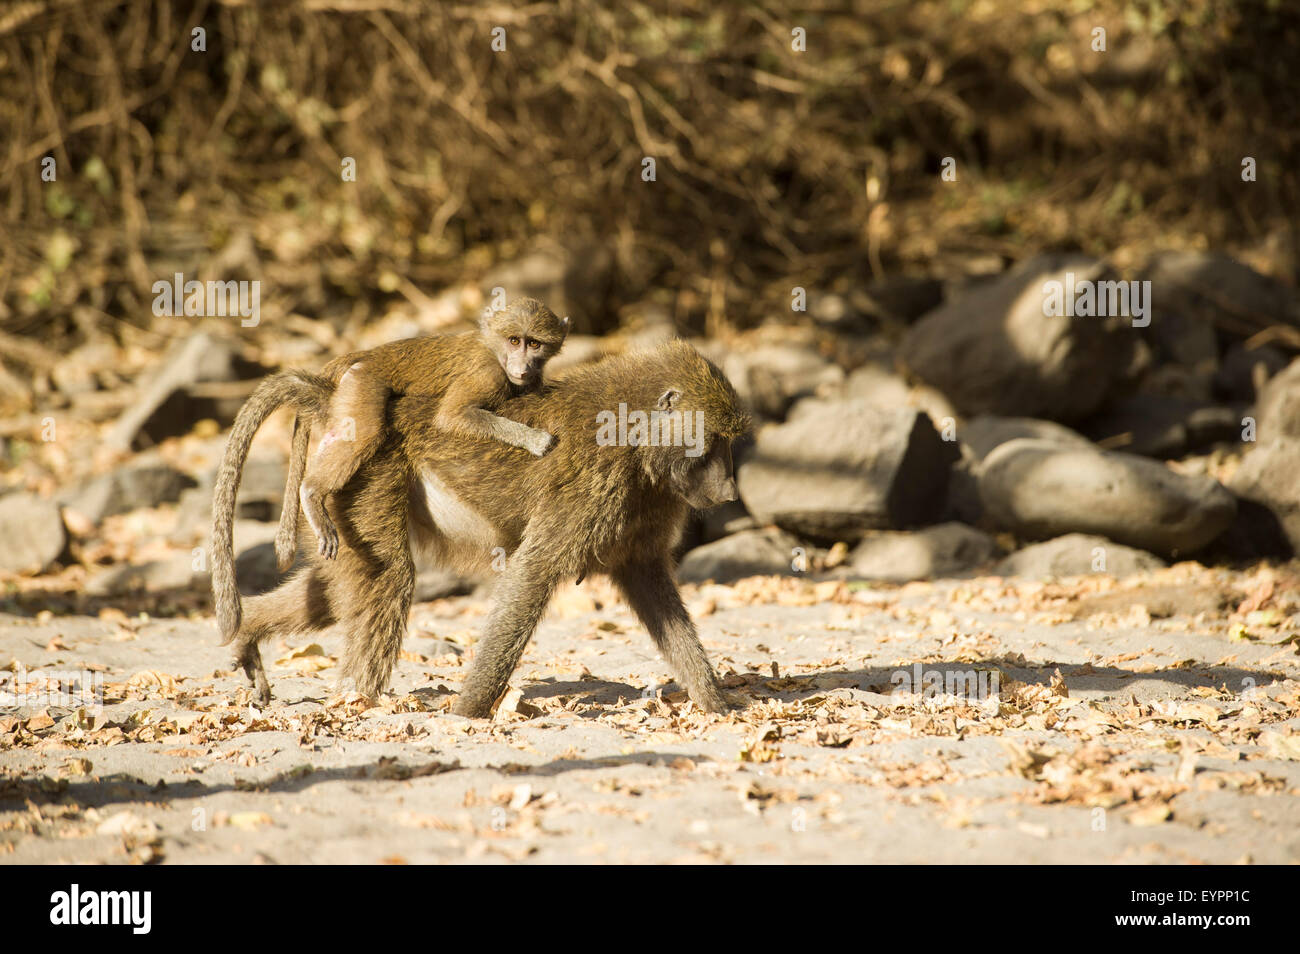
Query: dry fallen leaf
x=249, y=821
x=309, y=658
x=1150, y=815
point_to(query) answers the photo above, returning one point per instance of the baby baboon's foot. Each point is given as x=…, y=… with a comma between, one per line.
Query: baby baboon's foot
x=327, y=540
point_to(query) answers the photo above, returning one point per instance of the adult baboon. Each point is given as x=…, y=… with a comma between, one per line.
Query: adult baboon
x=640, y=438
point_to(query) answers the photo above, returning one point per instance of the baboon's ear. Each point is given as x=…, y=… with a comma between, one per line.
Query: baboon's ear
x=564, y=325
x=669, y=400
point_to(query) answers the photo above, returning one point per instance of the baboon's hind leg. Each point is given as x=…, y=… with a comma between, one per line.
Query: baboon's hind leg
x=299, y=605
x=376, y=619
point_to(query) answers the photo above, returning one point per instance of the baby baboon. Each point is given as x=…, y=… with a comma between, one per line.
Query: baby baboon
x=471, y=374
x=642, y=438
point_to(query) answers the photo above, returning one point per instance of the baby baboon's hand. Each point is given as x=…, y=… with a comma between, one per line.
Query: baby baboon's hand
x=539, y=442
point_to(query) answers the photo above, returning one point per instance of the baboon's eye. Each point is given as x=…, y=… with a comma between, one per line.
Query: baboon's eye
x=533, y=345
x=514, y=341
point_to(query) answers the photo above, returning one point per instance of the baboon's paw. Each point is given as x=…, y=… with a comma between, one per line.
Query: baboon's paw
x=471, y=708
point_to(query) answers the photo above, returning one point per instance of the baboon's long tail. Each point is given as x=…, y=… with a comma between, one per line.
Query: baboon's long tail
x=309, y=395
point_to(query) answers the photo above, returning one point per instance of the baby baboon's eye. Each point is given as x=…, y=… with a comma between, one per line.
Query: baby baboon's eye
x=514, y=341
x=533, y=345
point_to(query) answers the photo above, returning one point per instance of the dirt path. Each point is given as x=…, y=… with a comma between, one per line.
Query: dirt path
x=1162, y=740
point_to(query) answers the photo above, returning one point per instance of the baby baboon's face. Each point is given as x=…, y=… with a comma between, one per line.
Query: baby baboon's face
x=524, y=337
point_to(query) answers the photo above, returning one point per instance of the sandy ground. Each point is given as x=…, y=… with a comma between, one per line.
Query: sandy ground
x=1141, y=722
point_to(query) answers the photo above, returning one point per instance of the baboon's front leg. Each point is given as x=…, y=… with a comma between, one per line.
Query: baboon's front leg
x=651, y=592
x=518, y=604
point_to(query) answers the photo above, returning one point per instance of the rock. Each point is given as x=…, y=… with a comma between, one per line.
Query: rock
x=1243, y=372
x=261, y=487
x=1277, y=411
x=573, y=282
x=891, y=301
x=964, y=504
x=1077, y=554
x=978, y=438
x=942, y=550
x=1196, y=294
x=1267, y=478
x=256, y=570
x=577, y=350
x=254, y=546
x=439, y=584
x=142, y=484
x=156, y=576
x=994, y=351
x=900, y=298
x=838, y=468
x=880, y=387
x=167, y=404
x=749, y=553
x=31, y=533
x=193, y=516
x=724, y=520
x=1039, y=489
x=1159, y=425
x=985, y=433
x=772, y=377
x=833, y=311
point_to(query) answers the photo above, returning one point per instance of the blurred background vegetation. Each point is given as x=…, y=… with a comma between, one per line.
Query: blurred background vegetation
x=775, y=168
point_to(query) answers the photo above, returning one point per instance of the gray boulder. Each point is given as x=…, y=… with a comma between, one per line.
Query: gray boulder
x=1268, y=478
x=31, y=533
x=839, y=468
x=772, y=377
x=946, y=549
x=171, y=398
x=1277, y=411
x=137, y=485
x=1196, y=295
x=1039, y=489
x=994, y=351
x=1162, y=425
x=1244, y=371
x=749, y=553
x=1077, y=554
x=986, y=432
x=572, y=281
